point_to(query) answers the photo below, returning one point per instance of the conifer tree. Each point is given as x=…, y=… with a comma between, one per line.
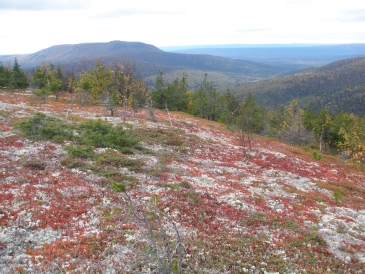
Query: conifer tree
x=227, y=105
x=5, y=76
x=158, y=95
x=19, y=78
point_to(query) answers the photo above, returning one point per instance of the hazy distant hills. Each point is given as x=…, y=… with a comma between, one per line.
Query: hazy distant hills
x=65, y=54
x=339, y=86
x=296, y=56
x=148, y=60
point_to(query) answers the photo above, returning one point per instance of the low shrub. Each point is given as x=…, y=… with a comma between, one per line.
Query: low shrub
x=80, y=151
x=101, y=134
x=35, y=164
x=316, y=156
x=43, y=127
x=112, y=158
x=90, y=133
x=73, y=162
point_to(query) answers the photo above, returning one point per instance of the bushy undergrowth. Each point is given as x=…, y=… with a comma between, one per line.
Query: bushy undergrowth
x=43, y=127
x=171, y=137
x=90, y=133
x=114, y=159
x=102, y=134
x=85, y=137
x=80, y=151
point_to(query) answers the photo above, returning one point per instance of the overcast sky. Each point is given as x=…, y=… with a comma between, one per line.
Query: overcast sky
x=28, y=26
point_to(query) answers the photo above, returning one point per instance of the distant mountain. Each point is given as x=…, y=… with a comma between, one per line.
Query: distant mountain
x=148, y=60
x=339, y=85
x=66, y=53
x=293, y=56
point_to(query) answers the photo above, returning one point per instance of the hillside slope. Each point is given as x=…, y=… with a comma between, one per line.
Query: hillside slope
x=339, y=85
x=147, y=58
x=279, y=212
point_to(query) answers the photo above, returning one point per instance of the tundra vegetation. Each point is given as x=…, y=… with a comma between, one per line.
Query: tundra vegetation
x=110, y=183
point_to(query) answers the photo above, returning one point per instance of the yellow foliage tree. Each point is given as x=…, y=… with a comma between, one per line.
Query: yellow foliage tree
x=353, y=143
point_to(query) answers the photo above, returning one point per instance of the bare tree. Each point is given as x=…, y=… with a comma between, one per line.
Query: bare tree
x=165, y=253
x=249, y=121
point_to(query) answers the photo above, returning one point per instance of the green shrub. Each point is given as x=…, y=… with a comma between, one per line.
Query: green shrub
x=80, y=151
x=109, y=173
x=142, y=149
x=118, y=187
x=337, y=196
x=73, y=162
x=112, y=158
x=127, y=150
x=193, y=197
x=101, y=134
x=43, y=127
x=58, y=139
x=316, y=156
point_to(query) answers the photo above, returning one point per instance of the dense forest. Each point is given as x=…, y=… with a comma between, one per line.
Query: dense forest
x=118, y=87
x=339, y=86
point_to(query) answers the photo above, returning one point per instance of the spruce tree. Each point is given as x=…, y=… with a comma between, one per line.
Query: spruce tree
x=5, y=77
x=19, y=78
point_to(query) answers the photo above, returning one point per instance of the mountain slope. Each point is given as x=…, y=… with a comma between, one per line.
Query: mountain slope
x=280, y=212
x=147, y=58
x=339, y=85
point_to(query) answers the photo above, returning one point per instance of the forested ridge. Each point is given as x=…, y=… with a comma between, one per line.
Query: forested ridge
x=339, y=86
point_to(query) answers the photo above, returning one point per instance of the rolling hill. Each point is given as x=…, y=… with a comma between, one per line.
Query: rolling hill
x=339, y=85
x=148, y=60
x=295, y=56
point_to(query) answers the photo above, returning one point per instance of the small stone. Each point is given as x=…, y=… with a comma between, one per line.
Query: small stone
x=348, y=259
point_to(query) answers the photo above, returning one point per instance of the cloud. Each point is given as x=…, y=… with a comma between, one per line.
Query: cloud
x=36, y=5
x=296, y=2
x=353, y=16
x=253, y=30
x=134, y=11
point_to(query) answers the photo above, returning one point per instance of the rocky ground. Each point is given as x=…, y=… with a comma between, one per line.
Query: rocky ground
x=190, y=197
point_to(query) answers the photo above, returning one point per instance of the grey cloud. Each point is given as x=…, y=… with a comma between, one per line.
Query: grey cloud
x=34, y=5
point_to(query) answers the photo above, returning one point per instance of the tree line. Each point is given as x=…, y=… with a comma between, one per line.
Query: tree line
x=118, y=86
x=13, y=77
